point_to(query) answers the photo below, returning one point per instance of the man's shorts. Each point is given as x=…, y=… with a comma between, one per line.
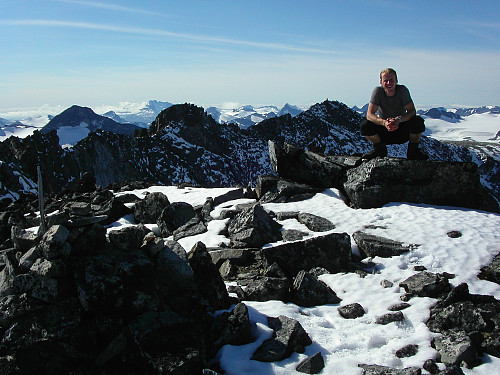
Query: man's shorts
x=415, y=125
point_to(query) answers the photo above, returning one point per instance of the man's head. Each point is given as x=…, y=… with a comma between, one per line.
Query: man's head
x=388, y=80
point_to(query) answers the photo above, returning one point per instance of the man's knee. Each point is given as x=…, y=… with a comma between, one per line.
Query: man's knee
x=367, y=128
x=416, y=125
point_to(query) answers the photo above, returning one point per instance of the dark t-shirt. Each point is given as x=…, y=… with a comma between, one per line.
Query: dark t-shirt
x=391, y=106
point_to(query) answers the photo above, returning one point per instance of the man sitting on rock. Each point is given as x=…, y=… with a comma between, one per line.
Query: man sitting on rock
x=391, y=118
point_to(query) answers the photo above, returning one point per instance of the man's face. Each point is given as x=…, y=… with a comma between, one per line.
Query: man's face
x=388, y=81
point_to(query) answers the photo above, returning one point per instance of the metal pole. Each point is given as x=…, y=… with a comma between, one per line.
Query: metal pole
x=43, y=225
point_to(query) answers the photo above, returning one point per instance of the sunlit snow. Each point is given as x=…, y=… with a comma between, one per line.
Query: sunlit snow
x=346, y=342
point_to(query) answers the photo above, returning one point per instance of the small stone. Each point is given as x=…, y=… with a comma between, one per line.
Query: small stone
x=454, y=234
x=351, y=311
x=399, y=306
x=312, y=365
x=390, y=317
x=387, y=283
x=431, y=366
x=407, y=351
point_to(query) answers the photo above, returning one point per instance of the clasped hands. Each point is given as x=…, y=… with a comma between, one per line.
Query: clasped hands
x=392, y=123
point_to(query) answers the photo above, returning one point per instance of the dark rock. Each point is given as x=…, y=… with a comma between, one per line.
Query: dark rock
x=111, y=283
x=312, y=365
x=267, y=288
x=387, y=284
x=254, y=227
x=390, y=317
x=399, y=306
x=288, y=337
x=85, y=184
x=306, y=167
x=191, y=228
x=229, y=196
x=174, y=216
x=407, y=351
x=492, y=271
x=331, y=251
x=78, y=209
x=308, y=291
x=127, y=198
x=264, y=184
x=149, y=209
x=431, y=366
x=175, y=277
x=318, y=271
x=455, y=347
x=53, y=244
x=236, y=256
x=169, y=342
x=128, y=238
x=208, y=280
x=293, y=235
x=315, y=223
x=287, y=191
x=426, y=284
x=228, y=270
x=209, y=372
x=463, y=315
x=30, y=257
x=383, y=370
x=113, y=209
x=87, y=240
x=351, y=311
x=383, y=180
x=23, y=240
x=454, y=234
x=274, y=271
x=452, y=370
x=231, y=328
x=372, y=246
x=287, y=215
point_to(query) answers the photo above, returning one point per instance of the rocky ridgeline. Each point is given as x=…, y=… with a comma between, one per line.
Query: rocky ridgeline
x=77, y=299
x=185, y=145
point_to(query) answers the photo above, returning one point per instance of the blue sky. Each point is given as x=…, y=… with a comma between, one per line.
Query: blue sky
x=64, y=52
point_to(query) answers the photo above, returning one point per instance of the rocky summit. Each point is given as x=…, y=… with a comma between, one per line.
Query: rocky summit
x=78, y=298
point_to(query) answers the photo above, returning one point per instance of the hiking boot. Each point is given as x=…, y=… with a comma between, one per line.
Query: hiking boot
x=379, y=149
x=414, y=153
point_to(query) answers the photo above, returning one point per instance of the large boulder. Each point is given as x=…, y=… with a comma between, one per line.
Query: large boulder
x=372, y=246
x=149, y=209
x=207, y=278
x=331, y=251
x=253, y=227
x=288, y=337
x=383, y=180
x=294, y=163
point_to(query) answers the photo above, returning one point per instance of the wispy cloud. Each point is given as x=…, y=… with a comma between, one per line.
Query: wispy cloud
x=165, y=33
x=108, y=6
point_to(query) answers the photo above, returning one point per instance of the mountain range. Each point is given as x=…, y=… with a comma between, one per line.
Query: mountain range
x=184, y=144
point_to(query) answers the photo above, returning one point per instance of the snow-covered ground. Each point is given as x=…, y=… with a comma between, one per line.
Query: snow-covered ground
x=346, y=342
x=477, y=127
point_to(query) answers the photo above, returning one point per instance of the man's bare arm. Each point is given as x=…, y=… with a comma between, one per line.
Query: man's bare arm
x=410, y=112
x=371, y=115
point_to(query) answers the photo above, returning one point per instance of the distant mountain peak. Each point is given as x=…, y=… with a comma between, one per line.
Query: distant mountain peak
x=76, y=122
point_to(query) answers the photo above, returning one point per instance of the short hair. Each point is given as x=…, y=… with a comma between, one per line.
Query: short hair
x=387, y=71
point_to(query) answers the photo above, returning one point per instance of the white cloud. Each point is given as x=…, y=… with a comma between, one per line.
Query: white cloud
x=164, y=33
x=108, y=6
